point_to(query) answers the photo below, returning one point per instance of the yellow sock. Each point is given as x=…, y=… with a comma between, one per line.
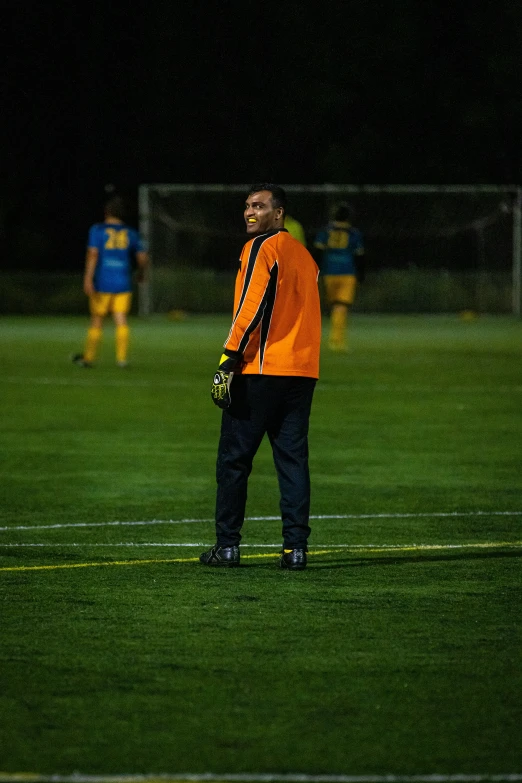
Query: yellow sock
x=122, y=343
x=94, y=336
x=338, y=321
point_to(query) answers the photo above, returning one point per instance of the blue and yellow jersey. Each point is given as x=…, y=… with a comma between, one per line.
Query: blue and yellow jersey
x=341, y=244
x=116, y=244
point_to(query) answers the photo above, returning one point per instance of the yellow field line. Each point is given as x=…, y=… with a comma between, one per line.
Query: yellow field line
x=28, y=777
x=388, y=549
x=100, y=563
x=427, y=547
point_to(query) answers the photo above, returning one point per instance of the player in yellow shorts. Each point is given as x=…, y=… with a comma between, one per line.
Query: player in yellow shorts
x=101, y=304
x=340, y=288
x=107, y=280
x=341, y=267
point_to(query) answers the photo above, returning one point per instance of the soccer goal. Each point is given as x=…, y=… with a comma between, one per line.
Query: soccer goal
x=428, y=248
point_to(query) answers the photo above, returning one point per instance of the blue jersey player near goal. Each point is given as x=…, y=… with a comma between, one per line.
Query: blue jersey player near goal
x=341, y=267
x=112, y=247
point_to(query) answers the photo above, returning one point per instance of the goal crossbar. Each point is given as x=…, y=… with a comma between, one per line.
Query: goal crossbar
x=513, y=194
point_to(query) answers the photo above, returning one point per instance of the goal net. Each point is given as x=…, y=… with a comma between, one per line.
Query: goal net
x=428, y=248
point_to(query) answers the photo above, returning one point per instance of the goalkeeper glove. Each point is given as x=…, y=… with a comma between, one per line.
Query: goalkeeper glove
x=220, y=389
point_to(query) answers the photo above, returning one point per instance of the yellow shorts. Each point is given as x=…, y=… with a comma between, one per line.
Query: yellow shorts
x=102, y=304
x=340, y=288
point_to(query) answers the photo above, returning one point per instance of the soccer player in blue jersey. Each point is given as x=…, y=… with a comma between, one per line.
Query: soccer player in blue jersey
x=111, y=249
x=342, y=251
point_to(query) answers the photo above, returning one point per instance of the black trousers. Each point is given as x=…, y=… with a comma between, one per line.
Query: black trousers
x=280, y=407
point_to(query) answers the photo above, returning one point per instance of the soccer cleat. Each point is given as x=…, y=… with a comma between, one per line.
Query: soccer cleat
x=80, y=361
x=224, y=556
x=293, y=559
x=122, y=364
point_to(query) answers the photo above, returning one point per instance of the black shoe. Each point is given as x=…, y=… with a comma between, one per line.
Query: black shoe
x=224, y=556
x=293, y=559
x=80, y=361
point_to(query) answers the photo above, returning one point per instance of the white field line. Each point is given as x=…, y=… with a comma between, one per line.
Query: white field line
x=78, y=381
x=113, y=524
x=21, y=777
x=423, y=515
x=321, y=386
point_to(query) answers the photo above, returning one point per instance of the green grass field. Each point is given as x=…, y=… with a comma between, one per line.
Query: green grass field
x=397, y=652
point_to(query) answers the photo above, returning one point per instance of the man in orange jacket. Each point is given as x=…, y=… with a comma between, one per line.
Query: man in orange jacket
x=266, y=378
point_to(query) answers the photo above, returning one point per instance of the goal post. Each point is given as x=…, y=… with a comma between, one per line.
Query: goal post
x=145, y=287
x=517, y=253
x=430, y=248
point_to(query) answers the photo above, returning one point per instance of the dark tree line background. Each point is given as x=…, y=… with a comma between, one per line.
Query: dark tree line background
x=355, y=92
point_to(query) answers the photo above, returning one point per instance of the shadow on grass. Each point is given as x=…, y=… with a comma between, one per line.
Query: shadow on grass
x=355, y=561
x=338, y=562
x=408, y=559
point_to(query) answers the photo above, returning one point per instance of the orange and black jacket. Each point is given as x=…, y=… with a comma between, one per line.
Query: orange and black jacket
x=277, y=315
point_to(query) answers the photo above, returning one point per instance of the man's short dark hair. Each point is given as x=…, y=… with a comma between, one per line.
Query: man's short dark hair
x=344, y=212
x=115, y=207
x=278, y=193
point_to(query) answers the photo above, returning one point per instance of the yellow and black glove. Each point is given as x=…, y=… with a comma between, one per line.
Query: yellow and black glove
x=220, y=389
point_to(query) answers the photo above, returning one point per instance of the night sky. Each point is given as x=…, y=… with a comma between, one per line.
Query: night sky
x=356, y=92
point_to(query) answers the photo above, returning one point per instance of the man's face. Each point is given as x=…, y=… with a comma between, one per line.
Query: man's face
x=260, y=214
